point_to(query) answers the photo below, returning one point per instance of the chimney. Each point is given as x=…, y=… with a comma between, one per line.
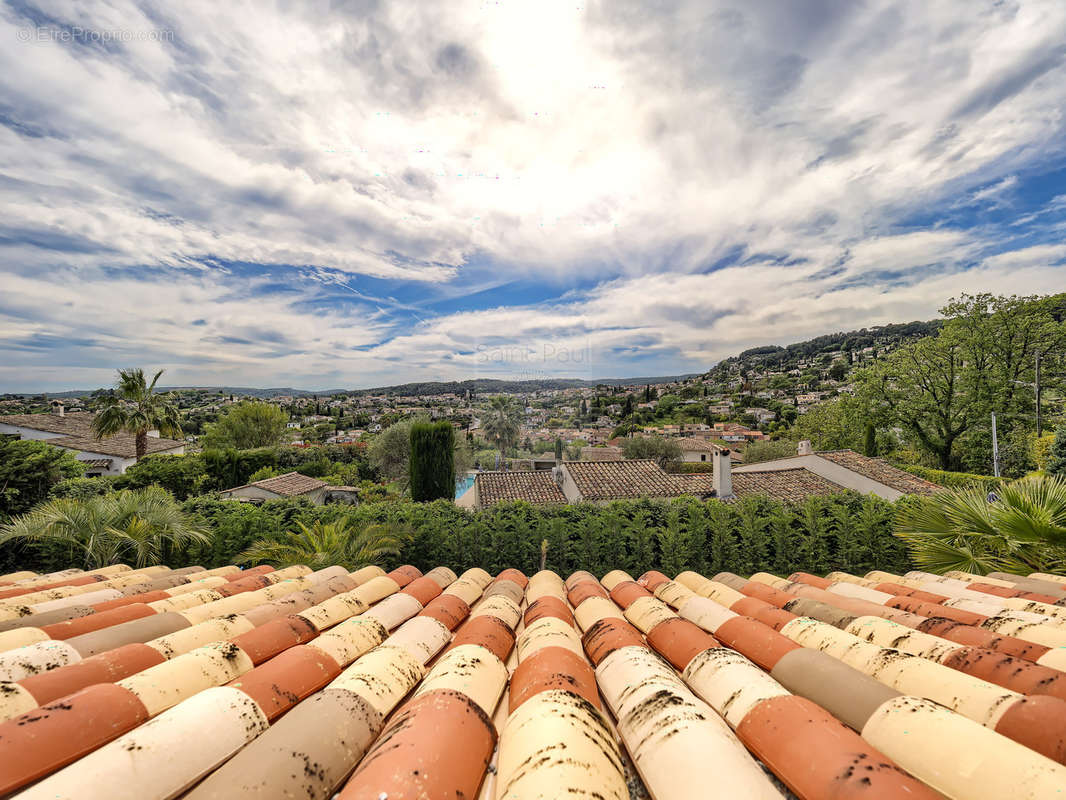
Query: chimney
x=57, y=408
x=723, y=473
x=804, y=448
x=557, y=474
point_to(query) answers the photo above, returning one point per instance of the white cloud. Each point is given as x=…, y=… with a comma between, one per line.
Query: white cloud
x=602, y=146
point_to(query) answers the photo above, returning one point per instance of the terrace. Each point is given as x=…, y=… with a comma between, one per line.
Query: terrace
x=223, y=683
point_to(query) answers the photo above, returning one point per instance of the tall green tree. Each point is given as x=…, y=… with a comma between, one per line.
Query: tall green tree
x=136, y=407
x=1056, y=462
x=927, y=388
x=659, y=449
x=500, y=422
x=943, y=389
x=247, y=425
x=432, y=462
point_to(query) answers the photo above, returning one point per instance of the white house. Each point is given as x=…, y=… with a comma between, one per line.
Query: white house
x=109, y=456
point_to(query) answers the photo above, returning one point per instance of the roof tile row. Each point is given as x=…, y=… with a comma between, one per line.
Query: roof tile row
x=814, y=684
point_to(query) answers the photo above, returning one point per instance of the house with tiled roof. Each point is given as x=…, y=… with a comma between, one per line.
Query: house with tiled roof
x=538, y=487
x=848, y=470
x=291, y=484
x=604, y=453
x=603, y=481
x=790, y=480
x=695, y=450
x=73, y=431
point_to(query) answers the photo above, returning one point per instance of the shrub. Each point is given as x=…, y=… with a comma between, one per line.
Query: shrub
x=182, y=476
x=952, y=480
x=695, y=467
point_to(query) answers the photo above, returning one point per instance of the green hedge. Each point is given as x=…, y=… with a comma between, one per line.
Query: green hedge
x=952, y=480
x=846, y=531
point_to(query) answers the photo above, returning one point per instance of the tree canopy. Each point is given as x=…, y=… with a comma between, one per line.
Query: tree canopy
x=245, y=426
x=942, y=390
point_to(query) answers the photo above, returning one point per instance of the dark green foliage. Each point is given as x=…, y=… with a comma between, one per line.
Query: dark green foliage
x=870, y=440
x=845, y=531
x=1056, y=464
x=432, y=462
x=182, y=476
x=28, y=471
x=83, y=488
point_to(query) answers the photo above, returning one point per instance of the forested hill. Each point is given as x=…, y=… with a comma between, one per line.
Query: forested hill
x=882, y=338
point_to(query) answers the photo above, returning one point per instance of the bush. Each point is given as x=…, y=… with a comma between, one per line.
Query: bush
x=83, y=488
x=1042, y=449
x=695, y=467
x=952, y=480
x=845, y=531
x=182, y=476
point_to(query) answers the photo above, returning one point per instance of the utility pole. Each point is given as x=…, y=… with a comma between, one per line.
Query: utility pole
x=995, y=448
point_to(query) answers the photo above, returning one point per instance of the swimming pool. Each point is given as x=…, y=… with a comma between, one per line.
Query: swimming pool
x=463, y=484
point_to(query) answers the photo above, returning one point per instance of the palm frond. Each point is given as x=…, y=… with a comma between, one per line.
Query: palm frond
x=1021, y=531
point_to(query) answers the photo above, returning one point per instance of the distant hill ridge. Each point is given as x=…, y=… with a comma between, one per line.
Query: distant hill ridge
x=878, y=336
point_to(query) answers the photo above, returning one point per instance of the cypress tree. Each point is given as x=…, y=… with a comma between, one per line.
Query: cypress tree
x=558, y=449
x=870, y=442
x=432, y=463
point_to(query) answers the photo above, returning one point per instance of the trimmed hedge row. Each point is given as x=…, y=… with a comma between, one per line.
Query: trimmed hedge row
x=953, y=480
x=845, y=531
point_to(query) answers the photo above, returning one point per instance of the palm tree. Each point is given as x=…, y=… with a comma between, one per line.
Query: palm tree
x=500, y=422
x=1020, y=530
x=132, y=525
x=136, y=408
x=327, y=544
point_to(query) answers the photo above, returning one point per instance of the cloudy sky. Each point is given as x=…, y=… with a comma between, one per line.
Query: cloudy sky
x=349, y=194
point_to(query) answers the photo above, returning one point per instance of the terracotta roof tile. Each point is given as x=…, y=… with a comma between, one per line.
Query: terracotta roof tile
x=613, y=480
x=880, y=470
x=534, y=486
x=790, y=485
x=76, y=428
x=290, y=484
x=732, y=683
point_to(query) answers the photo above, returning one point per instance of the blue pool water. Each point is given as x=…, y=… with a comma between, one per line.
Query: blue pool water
x=463, y=484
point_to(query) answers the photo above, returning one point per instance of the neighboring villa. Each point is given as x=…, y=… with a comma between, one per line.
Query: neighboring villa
x=847, y=469
x=791, y=480
x=696, y=450
x=108, y=456
x=291, y=484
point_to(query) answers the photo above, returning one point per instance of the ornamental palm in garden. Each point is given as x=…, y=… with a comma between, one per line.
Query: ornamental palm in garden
x=1021, y=529
x=136, y=407
x=328, y=544
x=142, y=526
